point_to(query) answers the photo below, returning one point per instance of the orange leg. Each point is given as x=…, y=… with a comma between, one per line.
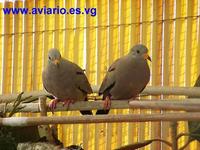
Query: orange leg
x=107, y=103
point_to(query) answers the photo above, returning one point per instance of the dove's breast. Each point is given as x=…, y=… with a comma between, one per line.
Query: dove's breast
x=131, y=78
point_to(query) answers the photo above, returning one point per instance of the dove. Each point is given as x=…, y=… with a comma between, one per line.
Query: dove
x=65, y=80
x=126, y=77
x=194, y=126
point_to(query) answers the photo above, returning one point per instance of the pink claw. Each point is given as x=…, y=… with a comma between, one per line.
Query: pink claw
x=107, y=103
x=68, y=102
x=53, y=104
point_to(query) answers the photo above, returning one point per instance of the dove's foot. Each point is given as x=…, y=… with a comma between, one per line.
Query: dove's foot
x=53, y=103
x=107, y=103
x=67, y=102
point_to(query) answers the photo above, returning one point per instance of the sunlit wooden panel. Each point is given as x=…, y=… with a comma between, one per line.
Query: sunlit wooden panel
x=1, y=45
x=134, y=39
x=78, y=54
x=113, y=54
x=145, y=38
x=179, y=51
x=124, y=47
x=91, y=58
x=69, y=31
x=192, y=51
x=38, y=47
x=59, y=27
x=27, y=49
x=7, y=50
x=156, y=64
x=79, y=36
x=17, y=50
x=102, y=64
x=167, y=74
x=135, y=22
x=49, y=30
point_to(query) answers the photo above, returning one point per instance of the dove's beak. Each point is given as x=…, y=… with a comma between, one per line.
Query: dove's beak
x=146, y=56
x=56, y=62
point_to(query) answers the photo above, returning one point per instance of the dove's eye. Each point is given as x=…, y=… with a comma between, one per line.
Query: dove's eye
x=138, y=51
x=49, y=58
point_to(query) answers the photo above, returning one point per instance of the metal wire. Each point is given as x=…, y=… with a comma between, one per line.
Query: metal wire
x=107, y=26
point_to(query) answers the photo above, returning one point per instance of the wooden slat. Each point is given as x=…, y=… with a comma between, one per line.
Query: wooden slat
x=59, y=26
x=7, y=50
x=49, y=26
x=91, y=61
x=102, y=22
x=134, y=39
x=155, y=64
x=167, y=59
x=38, y=47
x=78, y=59
x=113, y=54
x=69, y=31
x=144, y=131
x=1, y=46
x=17, y=50
x=27, y=49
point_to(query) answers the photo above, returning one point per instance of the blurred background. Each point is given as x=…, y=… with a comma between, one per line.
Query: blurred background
x=169, y=28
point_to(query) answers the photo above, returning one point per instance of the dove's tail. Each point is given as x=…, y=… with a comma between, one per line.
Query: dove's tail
x=102, y=112
x=86, y=112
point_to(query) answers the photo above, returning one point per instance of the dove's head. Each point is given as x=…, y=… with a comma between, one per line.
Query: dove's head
x=54, y=56
x=141, y=51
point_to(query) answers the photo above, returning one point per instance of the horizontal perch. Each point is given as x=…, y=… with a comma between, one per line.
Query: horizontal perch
x=30, y=121
x=187, y=91
x=183, y=105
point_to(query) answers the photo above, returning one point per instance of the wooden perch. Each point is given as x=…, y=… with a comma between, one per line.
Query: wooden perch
x=178, y=105
x=30, y=121
x=187, y=91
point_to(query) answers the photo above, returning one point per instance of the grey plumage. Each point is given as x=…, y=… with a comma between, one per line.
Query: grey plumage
x=65, y=80
x=127, y=76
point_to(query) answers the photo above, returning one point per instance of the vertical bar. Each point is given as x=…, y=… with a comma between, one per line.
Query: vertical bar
x=7, y=50
x=79, y=35
x=69, y=31
x=193, y=8
x=113, y=54
x=78, y=59
x=17, y=50
x=91, y=44
x=179, y=51
x=168, y=7
x=27, y=49
x=188, y=42
x=91, y=62
x=38, y=47
x=102, y=22
x=144, y=131
x=188, y=47
x=135, y=22
x=124, y=46
x=49, y=26
x=156, y=62
x=198, y=39
x=1, y=45
x=134, y=39
x=59, y=26
x=67, y=53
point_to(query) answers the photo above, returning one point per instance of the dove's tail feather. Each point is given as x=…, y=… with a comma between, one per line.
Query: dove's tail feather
x=102, y=112
x=86, y=112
